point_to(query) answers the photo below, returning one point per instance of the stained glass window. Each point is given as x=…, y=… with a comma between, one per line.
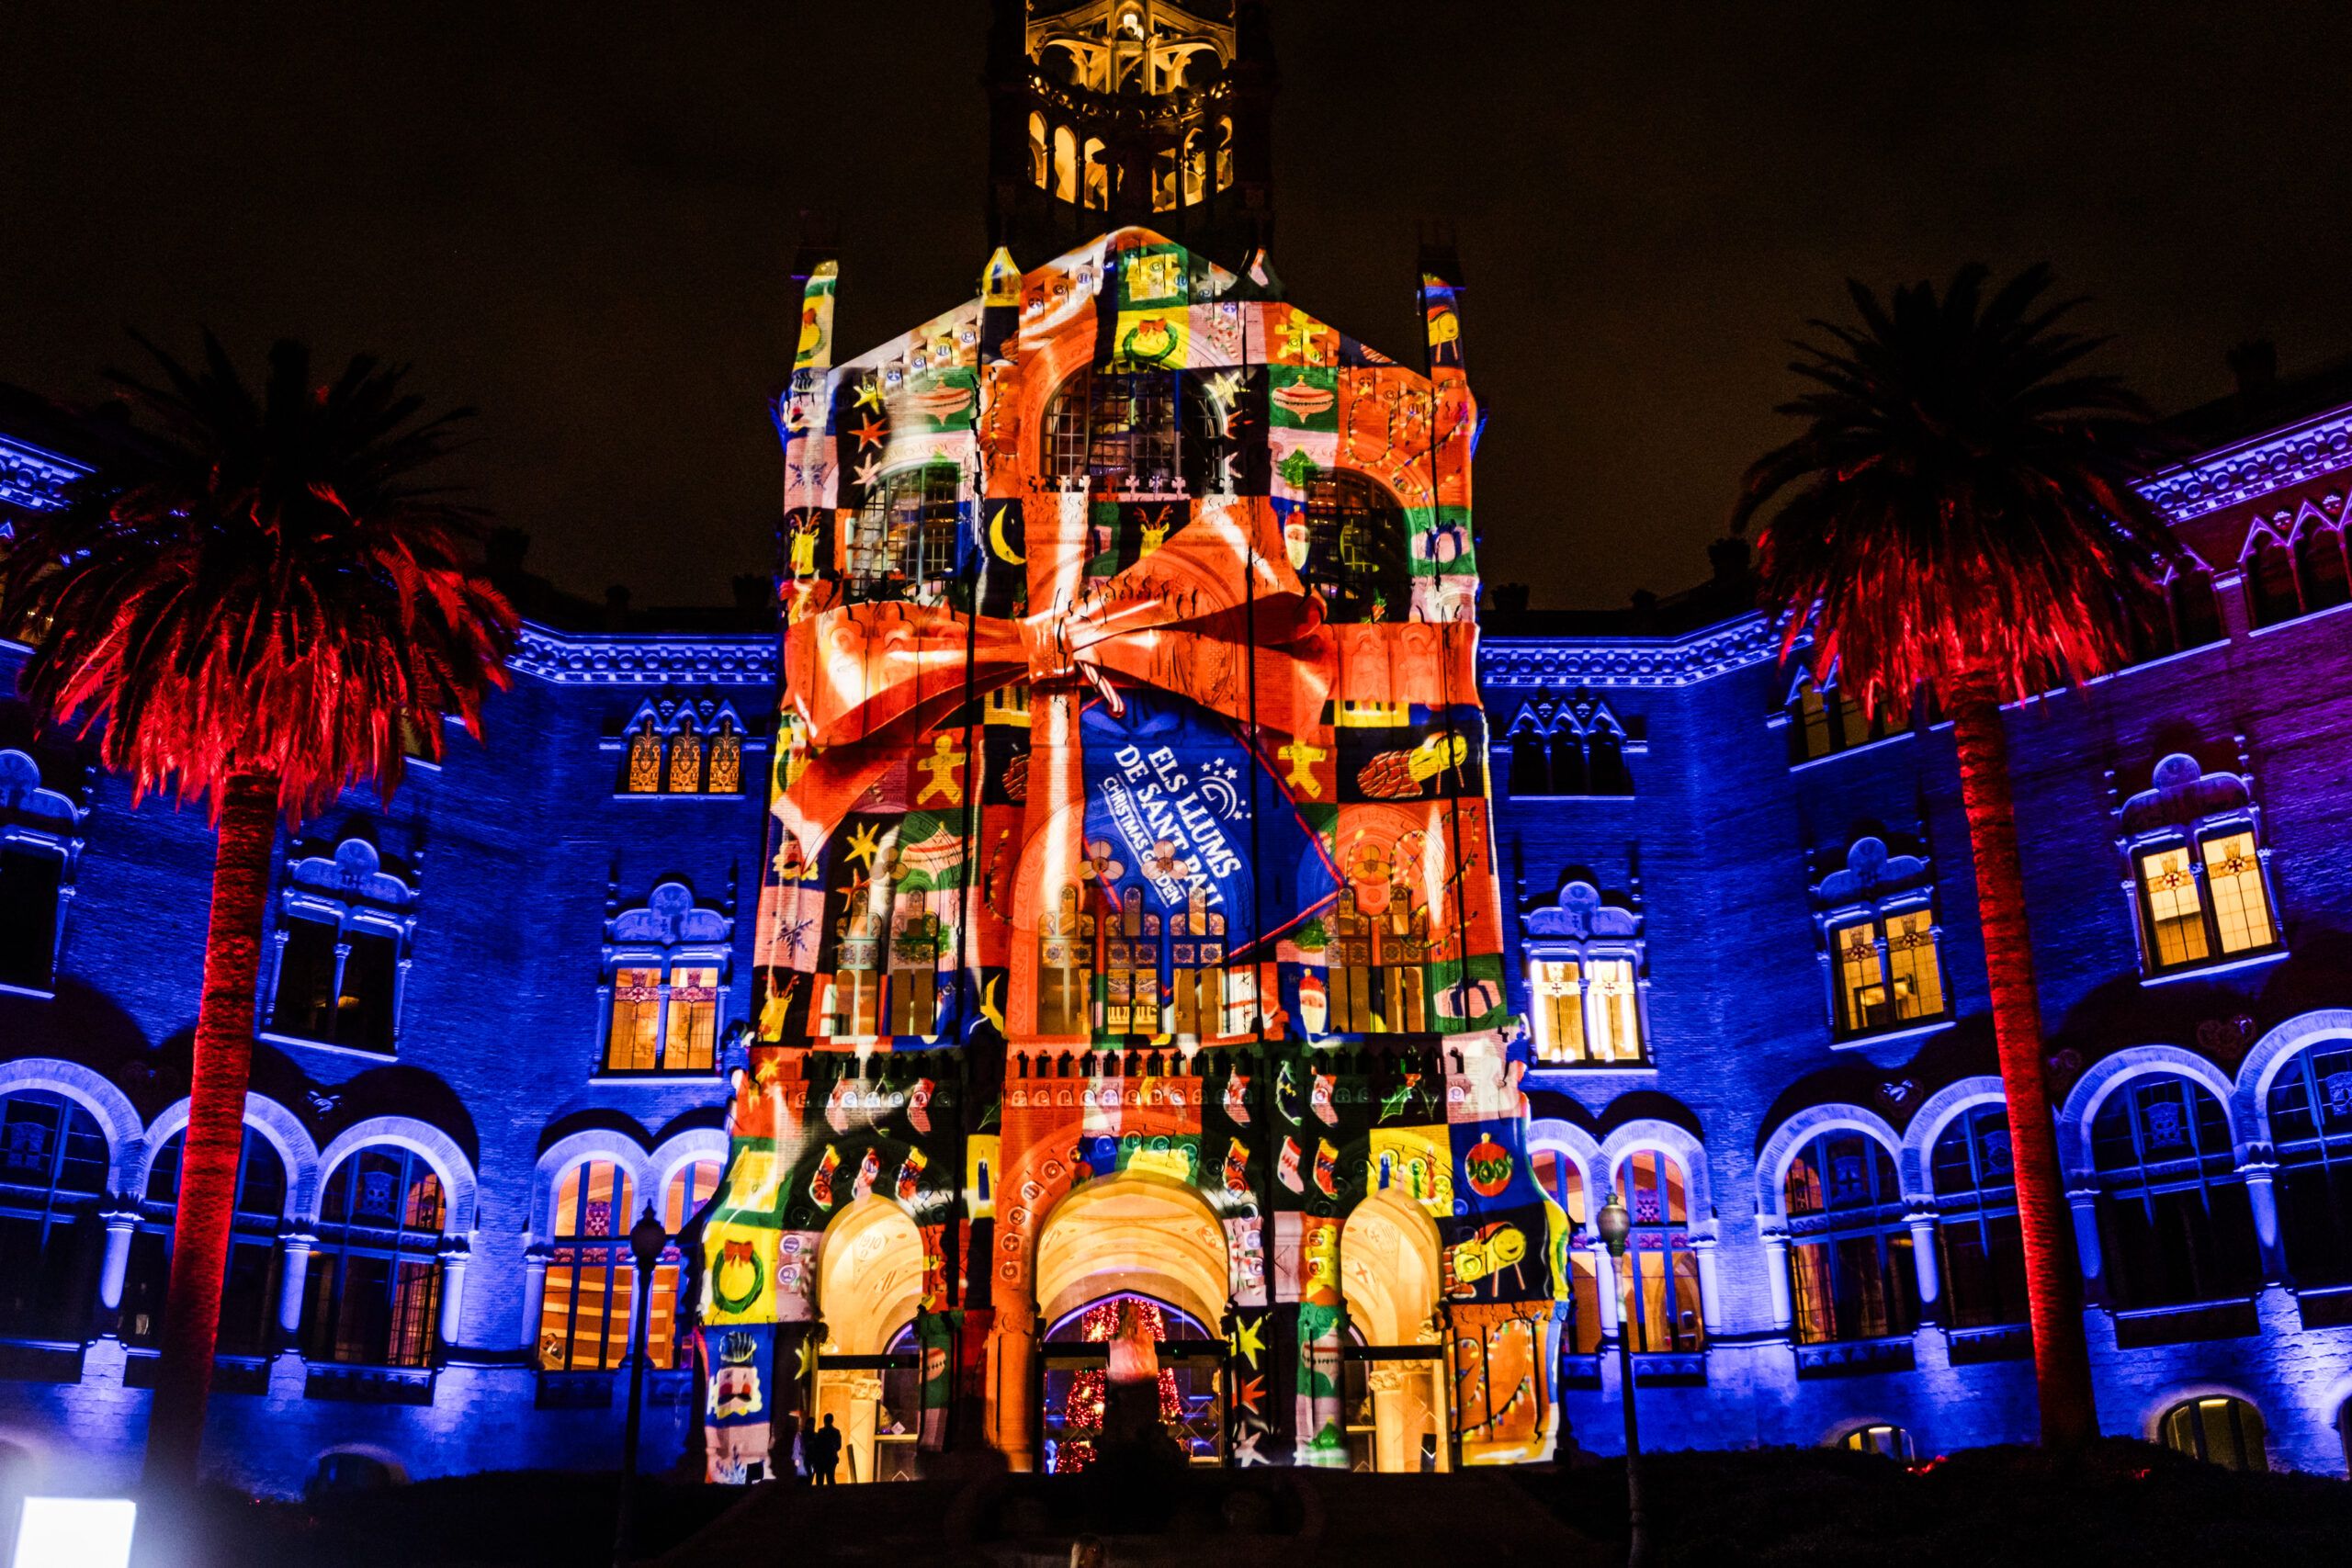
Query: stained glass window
x=686, y=762
x=2175, y=912
x=54, y=1163
x=1888, y=974
x=694, y=1018
x=688, y=1192
x=373, y=1293
x=635, y=1041
x=592, y=1276
x=1658, y=1262
x=2240, y=904
x=1557, y=985
x=2205, y=899
x=644, y=773
x=727, y=760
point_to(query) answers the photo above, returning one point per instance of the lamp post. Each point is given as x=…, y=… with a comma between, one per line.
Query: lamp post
x=1615, y=1224
x=646, y=1240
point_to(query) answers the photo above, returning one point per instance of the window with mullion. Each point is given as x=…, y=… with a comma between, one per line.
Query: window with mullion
x=2203, y=898
x=592, y=1276
x=2175, y=1223
x=664, y=1015
x=1852, y=1275
x=1659, y=1265
x=249, y=1285
x=338, y=980
x=1982, y=1249
x=1586, y=1007
x=54, y=1170
x=2311, y=1128
x=1888, y=972
x=373, y=1293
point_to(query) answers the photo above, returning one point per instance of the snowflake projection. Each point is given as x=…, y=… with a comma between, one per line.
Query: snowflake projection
x=1083, y=1409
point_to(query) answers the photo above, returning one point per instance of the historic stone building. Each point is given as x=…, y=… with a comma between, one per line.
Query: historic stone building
x=1148, y=883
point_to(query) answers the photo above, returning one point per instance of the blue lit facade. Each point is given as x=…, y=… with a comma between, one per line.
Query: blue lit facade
x=1746, y=946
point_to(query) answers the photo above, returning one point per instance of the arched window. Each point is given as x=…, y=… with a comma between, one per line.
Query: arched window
x=686, y=762
x=1604, y=757
x=1040, y=157
x=907, y=528
x=1563, y=1182
x=592, y=1278
x=1824, y=720
x=1196, y=165
x=373, y=1295
x=1355, y=554
x=249, y=1291
x=1851, y=1273
x=726, y=758
x=2319, y=567
x=1982, y=1252
x=2311, y=1127
x=2174, y=1223
x=52, y=1174
x=2270, y=583
x=1134, y=446
x=644, y=775
x=689, y=1190
x=1531, y=763
x=1658, y=1261
x=1224, y=152
x=1888, y=1442
x=2196, y=614
x=1065, y=163
x=2220, y=1431
x=1096, y=186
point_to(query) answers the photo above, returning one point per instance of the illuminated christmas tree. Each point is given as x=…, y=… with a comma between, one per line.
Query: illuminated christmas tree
x=1082, y=1410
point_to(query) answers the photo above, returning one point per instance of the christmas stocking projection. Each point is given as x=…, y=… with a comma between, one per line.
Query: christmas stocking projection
x=1129, y=825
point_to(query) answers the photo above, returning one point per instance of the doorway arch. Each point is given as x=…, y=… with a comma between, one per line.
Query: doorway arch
x=869, y=1284
x=1133, y=1235
x=1390, y=1276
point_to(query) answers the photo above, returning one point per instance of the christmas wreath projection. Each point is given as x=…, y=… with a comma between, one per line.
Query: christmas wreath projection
x=1129, y=929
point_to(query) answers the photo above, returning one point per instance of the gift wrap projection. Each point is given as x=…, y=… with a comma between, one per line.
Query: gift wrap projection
x=1130, y=927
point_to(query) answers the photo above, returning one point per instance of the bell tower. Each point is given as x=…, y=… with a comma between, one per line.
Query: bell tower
x=1104, y=113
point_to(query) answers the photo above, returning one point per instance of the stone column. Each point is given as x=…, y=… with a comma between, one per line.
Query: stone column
x=453, y=1289
x=2084, y=1202
x=535, y=1296
x=1711, y=1292
x=123, y=1223
x=1607, y=1286
x=2260, y=1169
x=1776, y=1276
x=294, y=1273
x=1923, y=1259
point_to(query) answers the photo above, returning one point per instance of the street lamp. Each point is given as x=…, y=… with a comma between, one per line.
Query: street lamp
x=646, y=1240
x=1614, y=1225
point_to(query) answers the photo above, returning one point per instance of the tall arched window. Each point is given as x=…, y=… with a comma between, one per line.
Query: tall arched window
x=1658, y=1262
x=1063, y=455
x=1851, y=1273
x=52, y=1174
x=2196, y=614
x=1134, y=440
x=1065, y=163
x=592, y=1278
x=726, y=758
x=2220, y=1431
x=373, y=1294
x=1982, y=1252
x=1040, y=157
x=686, y=762
x=2311, y=1127
x=907, y=529
x=1563, y=1182
x=644, y=775
x=1356, y=553
x=2174, y=1223
x=2319, y=567
x=249, y=1291
x=1096, y=184
x=2270, y=583
x=689, y=1190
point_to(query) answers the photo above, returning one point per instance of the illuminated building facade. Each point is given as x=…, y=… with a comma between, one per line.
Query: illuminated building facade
x=1146, y=880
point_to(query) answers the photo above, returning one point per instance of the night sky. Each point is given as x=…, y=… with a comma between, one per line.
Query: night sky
x=578, y=218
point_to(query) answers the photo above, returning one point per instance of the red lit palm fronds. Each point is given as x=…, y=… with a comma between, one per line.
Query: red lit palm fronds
x=1962, y=500
x=267, y=592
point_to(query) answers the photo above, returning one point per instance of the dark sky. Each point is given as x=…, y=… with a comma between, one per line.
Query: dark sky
x=577, y=217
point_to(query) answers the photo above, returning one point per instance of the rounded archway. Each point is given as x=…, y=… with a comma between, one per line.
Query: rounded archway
x=1390, y=1275
x=869, y=1284
x=1137, y=1236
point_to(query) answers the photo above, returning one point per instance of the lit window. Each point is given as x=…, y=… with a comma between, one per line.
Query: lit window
x=373, y=1293
x=2241, y=906
x=1824, y=721
x=1379, y=966
x=1584, y=970
x=2223, y=1432
x=1888, y=1442
x=1558, y=988
x=53, y=1166
x=1356, y=557
x=668, y=969
x=689, y=1190
x=2176, y=913
x=1563, y=1182
x=1666, y=1315
x=727, y=760
x=1039, y=157
x=694, y=1018
x=906, y=532
x=685, y=763
x=644, y=775
x=1851, y=1273
x=1888, y=973
x=2211, y=900
x=585, y=1317
x=636, y=1021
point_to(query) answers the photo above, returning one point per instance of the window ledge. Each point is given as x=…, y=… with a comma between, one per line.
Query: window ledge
x=366, y=1052
x=1532, y=794
x=679, y=794
x=2228, y=965
x=656, y=1078
x=1880, y=1036
x=1853, y=751
x=50, y=995
x=1593, y=1069
x=2304, y=619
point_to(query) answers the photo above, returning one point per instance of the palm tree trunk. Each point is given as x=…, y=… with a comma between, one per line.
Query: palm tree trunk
x=216, y=1127
x=2054, y=1280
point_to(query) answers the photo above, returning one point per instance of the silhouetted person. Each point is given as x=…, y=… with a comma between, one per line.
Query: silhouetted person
x=824, y=1450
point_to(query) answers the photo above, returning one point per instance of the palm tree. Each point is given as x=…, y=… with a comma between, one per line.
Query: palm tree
x=1958, y=516
x=259, y=609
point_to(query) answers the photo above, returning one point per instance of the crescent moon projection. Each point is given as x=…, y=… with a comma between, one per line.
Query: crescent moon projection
x=997, y=545
x=990, y=1011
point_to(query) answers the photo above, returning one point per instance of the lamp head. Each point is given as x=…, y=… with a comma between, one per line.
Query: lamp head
x=647, y=1239
x=1614, y=1223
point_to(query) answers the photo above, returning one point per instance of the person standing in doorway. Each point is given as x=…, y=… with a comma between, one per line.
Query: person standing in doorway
x=824, y=1450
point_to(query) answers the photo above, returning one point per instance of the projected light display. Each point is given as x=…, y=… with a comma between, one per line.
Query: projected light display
x=1129, y=920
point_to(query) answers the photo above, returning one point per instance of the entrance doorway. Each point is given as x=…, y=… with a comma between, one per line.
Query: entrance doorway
x=1395, y=1386
x=1076, y=1361
x=868, y=1377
